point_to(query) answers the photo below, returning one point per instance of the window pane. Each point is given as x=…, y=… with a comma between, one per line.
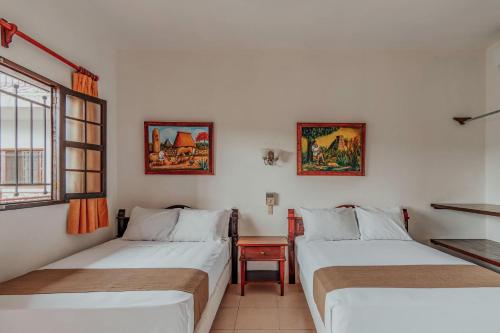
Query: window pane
x=25, y=88
x=74, y=182
x=93, y=134
x=75, y=130
x=25, y=166
x=41, y=141
x=38, y=166
x=93, y=160
x=93, y=182
x=7, y=136
x=74, y=158
x=93, y=112
x=8, y=166
x=75, y=107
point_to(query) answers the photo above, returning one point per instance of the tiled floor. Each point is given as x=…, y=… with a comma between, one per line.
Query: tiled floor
x=262, y=310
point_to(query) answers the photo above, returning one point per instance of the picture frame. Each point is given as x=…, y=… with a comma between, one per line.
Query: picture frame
x=178, y=148
x=331, y=149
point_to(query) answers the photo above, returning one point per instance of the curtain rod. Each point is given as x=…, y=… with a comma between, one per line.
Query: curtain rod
x=464, y=120
x=8, y=30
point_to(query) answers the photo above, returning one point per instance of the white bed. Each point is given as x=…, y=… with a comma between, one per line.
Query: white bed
x=376, y=310
x=122, y=312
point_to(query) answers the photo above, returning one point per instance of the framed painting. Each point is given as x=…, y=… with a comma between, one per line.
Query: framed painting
x=331, y=149
x=178, y=148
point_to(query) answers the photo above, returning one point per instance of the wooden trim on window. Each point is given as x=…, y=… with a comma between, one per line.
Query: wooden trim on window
x=29, y=73
x=33, y=204
x=86, y=146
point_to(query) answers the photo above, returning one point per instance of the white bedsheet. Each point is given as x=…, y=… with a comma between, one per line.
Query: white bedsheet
x=396, y=310
x=110, y=312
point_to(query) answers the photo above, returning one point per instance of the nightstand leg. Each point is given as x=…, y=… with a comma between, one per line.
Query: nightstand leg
x=243, y=271
x=282, y=277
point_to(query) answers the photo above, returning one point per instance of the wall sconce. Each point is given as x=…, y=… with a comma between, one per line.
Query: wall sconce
x=270, y=156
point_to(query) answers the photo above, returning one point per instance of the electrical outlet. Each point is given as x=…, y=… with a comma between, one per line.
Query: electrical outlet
x=271, y=200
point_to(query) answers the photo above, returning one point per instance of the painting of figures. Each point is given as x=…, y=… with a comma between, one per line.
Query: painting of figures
x=178, y=148
x=331, y=149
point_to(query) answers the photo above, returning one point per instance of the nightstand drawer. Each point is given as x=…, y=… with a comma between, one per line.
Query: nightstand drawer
x=261, y=252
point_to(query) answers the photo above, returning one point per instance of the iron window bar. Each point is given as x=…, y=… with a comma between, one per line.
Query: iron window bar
x=22, y=184
x=16, y=193
x=0, y=135
x=464, y=120
x=44, y=105
x=44, y=144
x=33, y=188
x=23, y=98
x=32, y=176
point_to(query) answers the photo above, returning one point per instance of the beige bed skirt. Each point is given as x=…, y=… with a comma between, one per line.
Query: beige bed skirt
x=405, y=276
x=55, y=281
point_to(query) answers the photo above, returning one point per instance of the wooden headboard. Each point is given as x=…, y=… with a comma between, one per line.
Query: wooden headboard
x=122, y=222
x=296, y=228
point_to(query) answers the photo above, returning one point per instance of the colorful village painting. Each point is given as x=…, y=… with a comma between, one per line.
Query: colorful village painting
x=334, y=149
x=178, y=148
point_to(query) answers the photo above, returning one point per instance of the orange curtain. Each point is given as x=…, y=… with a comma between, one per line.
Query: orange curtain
x=86, y=215
x=85, y=84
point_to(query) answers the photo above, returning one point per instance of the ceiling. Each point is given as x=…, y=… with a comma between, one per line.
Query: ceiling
x=342, y=24
x=302, y=23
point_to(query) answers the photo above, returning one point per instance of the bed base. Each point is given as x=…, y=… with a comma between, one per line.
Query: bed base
x=318, y=322
x=296, y=228
x=207, y=317
x=122, y=222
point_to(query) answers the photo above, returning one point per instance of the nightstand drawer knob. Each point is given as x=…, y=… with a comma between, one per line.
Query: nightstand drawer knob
x=262, y=252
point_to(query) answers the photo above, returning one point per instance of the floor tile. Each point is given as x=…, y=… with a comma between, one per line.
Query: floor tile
x=258, y=331
x=294, y=319
x=293, y=288
x=233, y=289
x=262, y=288
x=257, y=319
x=251, y=300
x=262, y=310
x=225, y=319
x=292, y=300
x=230, y=301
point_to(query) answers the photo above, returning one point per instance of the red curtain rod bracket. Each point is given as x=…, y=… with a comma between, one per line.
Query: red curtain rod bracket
x=8, y=30
x=7, y=34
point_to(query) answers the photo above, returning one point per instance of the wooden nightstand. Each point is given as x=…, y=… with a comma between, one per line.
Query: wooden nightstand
x=262, y=248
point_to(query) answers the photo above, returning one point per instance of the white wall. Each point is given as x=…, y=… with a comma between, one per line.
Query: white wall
x=493, y=137
x=30, y=238
x=416, y=154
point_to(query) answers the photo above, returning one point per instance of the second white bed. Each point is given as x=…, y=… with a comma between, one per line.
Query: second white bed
x=131, y=311
x=388, y=310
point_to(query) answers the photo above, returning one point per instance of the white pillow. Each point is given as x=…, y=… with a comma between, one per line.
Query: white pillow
x=151, y=224
x=329, y=224
x=377, y=223
x=224, y=224
x=196, y=225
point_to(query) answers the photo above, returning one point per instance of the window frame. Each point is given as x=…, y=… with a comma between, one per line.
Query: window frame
x=54, y=161
x=58, y=142
x=63, y=144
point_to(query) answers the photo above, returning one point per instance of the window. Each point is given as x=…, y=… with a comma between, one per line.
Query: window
x=83, y=145
x=52, y=141
x=26, y=152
